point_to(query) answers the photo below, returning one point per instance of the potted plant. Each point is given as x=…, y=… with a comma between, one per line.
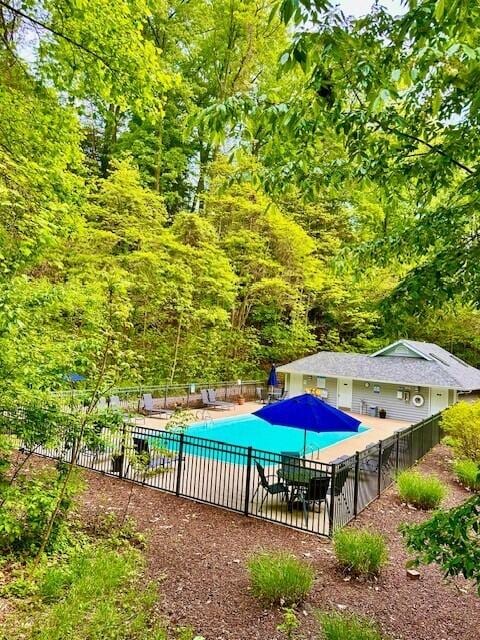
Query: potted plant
x=241, y=399
x=382, y=413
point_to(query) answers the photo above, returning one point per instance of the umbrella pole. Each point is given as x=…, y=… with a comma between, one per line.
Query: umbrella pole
x=304, y=443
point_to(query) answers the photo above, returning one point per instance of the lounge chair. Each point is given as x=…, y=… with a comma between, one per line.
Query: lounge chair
x=209, y=400
x=315, y=492
x=114, y=402
x=153, y=412
x=271, y=488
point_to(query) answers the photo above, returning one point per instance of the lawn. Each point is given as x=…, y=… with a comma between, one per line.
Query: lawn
x=200, y=554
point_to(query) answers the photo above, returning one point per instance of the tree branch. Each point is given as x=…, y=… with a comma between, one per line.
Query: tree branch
x=71, y=41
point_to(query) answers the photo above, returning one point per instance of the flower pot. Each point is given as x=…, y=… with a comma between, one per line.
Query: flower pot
x=382, y=413
x=241, y=400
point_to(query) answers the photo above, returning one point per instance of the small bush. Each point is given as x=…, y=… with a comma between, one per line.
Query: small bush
x=279, y=578
x=468, y=473
x=461, y=424
x=347, y=626
x=424, y=492
x=361, y=552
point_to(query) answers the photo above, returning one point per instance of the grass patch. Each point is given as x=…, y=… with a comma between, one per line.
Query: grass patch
x=468, y=473
x=279, y=578
x=97, y=593
x=347, y=626
x=359, y=551
x=424, y=492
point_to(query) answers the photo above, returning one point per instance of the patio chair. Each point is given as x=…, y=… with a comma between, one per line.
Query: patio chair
x=277, y=395
x=291, y=459
x=371, y=464
x=336, y=491
x=153, y=412
x=314, y=493
x=260, y=395
x=271, y=488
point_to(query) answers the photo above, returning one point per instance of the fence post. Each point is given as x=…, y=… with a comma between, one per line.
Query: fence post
x=379, y=479
x=397, y=451
x=122, y=451
x=180, y=465
x=247, y=481
x=355, y=489
x=331, y=514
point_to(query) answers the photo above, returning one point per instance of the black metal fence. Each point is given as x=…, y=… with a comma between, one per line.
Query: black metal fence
x=284, y=488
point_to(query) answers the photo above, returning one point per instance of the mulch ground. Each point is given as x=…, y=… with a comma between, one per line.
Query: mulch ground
x=198, y=554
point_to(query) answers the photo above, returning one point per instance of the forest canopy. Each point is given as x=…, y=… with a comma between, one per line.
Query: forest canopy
x=193, y=189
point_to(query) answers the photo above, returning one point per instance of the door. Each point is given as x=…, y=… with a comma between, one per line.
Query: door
x=438, y=399
x=344, y=393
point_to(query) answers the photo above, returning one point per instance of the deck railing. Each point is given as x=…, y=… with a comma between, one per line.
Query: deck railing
x=301, y=493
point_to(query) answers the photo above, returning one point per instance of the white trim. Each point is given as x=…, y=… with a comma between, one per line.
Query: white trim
x=405, y=344
x=425, y=385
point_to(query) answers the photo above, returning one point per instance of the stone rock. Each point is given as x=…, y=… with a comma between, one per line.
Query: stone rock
x=413, y=574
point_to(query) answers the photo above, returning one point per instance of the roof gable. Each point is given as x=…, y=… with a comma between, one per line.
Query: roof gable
x=403, y=349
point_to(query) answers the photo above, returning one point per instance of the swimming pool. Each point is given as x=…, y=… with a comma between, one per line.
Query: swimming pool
x=250, y=431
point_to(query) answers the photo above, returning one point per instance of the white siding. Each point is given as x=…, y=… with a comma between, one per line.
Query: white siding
x=387, y=399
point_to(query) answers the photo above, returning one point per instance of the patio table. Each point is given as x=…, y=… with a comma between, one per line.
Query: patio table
x=297, y=478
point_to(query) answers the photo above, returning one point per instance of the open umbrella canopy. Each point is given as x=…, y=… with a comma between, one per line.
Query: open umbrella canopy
x=272, y=377
x=309, y=413
x=75, y=377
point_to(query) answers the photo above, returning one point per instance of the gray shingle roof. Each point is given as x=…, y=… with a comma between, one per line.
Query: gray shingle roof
x=437, y=368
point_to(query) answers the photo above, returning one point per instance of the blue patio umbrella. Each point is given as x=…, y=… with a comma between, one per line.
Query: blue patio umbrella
x=272, y=377
x=309, y=413
x=75, y=377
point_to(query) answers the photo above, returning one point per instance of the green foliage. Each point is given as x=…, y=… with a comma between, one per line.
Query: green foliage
x=26, y=506
x=289, y=624
x=461, y=423
x=449, y=539
x=347, y=626
x=97, y=593
x=468, y=473
x=279, y=578
x=424, y=492
x=360, y=552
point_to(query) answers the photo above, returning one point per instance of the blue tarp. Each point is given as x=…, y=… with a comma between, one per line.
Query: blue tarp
x=307, y=412
x=272, y=377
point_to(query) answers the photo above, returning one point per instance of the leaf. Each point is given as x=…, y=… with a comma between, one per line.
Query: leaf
x=439, y=9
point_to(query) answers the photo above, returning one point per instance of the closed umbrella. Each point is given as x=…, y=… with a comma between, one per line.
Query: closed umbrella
x=272, y=377
x=309, y=413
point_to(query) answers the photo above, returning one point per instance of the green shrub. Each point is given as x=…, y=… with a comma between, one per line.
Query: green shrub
x=424, y=492
x=347, y=626
x=461, y=425
x=361, y=552
x=468, y=473
x=279, y=578
x=98, y=593
x=26, y=508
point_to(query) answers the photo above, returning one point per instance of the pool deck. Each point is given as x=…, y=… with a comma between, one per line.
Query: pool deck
x=378, y=429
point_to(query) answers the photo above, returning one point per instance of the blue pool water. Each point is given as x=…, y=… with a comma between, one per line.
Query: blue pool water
x=250, y=431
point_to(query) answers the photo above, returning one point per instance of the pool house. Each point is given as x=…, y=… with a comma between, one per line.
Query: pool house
x=407, y=380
